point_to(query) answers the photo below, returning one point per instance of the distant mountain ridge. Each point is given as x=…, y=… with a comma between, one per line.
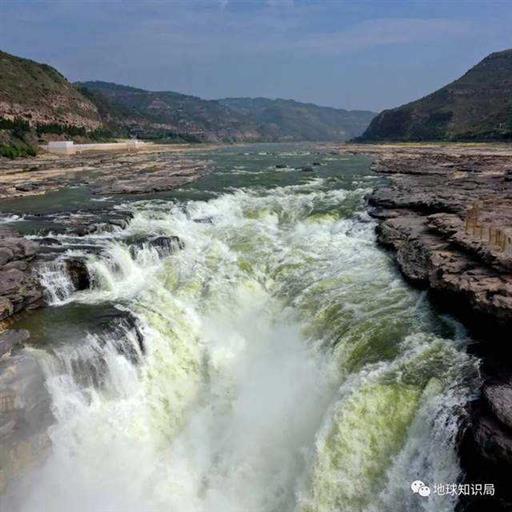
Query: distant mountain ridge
x=477, y=106
x=289, y=119
x=161, y=114
x=38, y=103
x=232, y=119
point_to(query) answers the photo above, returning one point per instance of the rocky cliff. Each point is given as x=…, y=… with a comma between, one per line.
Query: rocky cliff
x=477, y=106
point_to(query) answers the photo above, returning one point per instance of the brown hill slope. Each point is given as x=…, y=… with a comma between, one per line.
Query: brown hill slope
x=477, y=106
x=40, y=95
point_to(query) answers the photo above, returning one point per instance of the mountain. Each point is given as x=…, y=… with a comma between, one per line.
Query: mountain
x=477, y=106
x=291, y=120
x=37, y=103
x=40, y=95
x=164, y=114
x=160, y=114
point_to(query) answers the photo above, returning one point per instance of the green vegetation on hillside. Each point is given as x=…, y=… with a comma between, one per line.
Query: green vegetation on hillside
x=15, y=138
x=37, y=104
x=292, y=120
x=477, y=106
x=13, y=151
x=178, y=117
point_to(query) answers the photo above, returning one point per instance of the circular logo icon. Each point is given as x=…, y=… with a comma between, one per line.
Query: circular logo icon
x=424, y=491
x=416, y=485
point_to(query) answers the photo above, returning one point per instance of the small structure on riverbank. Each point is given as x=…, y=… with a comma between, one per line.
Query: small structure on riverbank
x=66, y=147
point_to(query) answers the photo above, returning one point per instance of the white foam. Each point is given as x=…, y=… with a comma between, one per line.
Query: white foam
x=266, y=337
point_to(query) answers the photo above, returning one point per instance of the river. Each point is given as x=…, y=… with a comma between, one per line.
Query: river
x=280, y=362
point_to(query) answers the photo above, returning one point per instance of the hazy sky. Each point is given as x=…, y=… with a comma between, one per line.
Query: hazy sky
x=364, y=54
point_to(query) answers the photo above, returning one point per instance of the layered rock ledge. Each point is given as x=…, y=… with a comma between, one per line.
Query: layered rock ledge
x=19, y=289
x=152, y=168
x=445, y=211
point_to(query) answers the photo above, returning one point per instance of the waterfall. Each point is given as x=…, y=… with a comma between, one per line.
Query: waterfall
x=279, y=364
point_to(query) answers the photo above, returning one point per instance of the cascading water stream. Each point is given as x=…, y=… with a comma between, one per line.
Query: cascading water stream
x=285, y=366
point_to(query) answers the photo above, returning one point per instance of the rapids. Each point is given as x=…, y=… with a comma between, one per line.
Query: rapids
x=284, y=363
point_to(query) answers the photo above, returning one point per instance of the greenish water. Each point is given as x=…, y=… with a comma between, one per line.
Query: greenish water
x=286, y=365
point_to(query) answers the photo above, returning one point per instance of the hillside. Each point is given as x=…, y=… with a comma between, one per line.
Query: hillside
x=37, y=103
x=477, y=106
x=287, y=119
x=40, y=95
x=166, y=114
x=169, y=114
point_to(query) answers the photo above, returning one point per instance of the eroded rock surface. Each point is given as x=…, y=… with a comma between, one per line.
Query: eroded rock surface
x=426, y=213
x=152, y=169
x=19, y=289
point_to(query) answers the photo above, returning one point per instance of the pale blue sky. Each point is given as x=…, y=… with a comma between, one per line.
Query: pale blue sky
x=364, y=54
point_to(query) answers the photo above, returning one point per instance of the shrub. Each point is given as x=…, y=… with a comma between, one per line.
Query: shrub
x=18, y=124
x=61, y=129
x=11, y=151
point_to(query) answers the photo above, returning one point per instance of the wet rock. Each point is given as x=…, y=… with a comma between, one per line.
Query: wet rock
x=6, y=255
x=6, y=308
x=26, y=187
x=280, y=166
x=498, y=398
x=169, y=243
x=49, y=241
x=9, y=339
x=119, y=222
x=78, y=273
x=17, y=264
x=164, y=244
x=487, y=442
x=204, y=220
x=11, y=281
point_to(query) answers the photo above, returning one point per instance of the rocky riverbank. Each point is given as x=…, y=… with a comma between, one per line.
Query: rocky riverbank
x=19, y=289
x=152, y=168
x=22, y=395
x=445, y=211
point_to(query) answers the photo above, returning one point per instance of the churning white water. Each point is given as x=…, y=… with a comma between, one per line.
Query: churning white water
x=284, y=366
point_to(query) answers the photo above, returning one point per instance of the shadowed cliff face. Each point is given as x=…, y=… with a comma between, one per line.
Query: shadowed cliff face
x=476, y=106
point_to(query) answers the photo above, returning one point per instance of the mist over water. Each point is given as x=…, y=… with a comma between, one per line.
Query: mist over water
x=284, y=364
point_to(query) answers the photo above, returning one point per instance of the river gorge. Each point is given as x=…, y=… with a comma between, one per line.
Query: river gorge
x=268, y=357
